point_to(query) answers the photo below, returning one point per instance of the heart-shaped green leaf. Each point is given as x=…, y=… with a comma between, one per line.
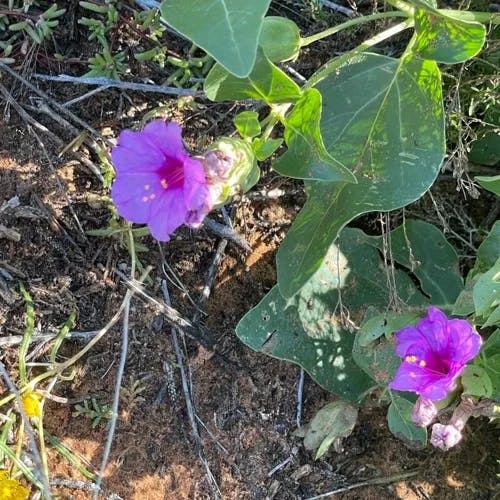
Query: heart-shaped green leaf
x=389, y=132
x=228, y=30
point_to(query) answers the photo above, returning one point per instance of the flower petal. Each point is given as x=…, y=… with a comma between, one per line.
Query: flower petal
x=463, y=342
x=195, y=185
x=407, y=338
x=134, y=195
x=433, y=328
x=167, y=137
x=135, y=153
x=167, y=214
x=428, y=384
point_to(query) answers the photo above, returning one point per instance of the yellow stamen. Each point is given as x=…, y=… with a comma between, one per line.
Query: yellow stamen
x=152, y=196
x=145, y=199
x=422, y=363
x=164, y=183
x=411, y=359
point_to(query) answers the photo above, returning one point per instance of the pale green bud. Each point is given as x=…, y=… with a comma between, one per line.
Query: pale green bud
x=230, y=168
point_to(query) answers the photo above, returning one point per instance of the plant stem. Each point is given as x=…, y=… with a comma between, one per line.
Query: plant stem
x=338, y=61
x=353, y=22
x=43, y=451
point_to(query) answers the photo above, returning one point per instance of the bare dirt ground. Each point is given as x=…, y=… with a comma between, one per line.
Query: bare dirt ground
x=246, y=403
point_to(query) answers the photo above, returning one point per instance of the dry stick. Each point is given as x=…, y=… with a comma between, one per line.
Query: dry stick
x=189, y=401
x=27, y=117
x=205, y=294
x=300, y=396
x=60, y=185
x=75, y=484
x=226, y=232
x=51, y=101
x=119, y=375
x=370, y=482
x=88, y=94
x=171, y=315
x=43, y=107
x=34, y=448
x=339, y=8
x=13, y=340
x=101, y=81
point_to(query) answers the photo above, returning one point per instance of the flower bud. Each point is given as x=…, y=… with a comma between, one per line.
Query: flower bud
x=230, y=168
x=424, y=412
x=445, y=437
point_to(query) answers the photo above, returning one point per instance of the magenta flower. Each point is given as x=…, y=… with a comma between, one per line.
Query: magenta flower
x=434, y=354
x=157, y=183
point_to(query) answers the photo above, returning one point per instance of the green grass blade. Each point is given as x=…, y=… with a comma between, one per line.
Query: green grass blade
x=69, y=455
x=62, y=335
x=28, y=333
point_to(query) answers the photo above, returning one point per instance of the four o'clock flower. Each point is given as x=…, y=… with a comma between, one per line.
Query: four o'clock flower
x=157, y=183
x=434, y=353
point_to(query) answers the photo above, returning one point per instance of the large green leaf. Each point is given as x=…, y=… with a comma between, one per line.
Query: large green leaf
x=266, y=82
x=446, y=39
x=306, y=157
x=486, y=149
x=228, y=30
x=422, y=247
x=489, y=250
x=486, y=295
x=383, y=119
x=311, y=328
x=491, y=183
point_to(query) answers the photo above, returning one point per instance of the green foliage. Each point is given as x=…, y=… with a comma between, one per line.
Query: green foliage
x=312, y=327
x=482, y=291
x=401, y=425
x=486, y=296
x=389, y=133
x=330, y=425
x=263, y=148
x=476, y=382
x=229, y=30
x=94, y=410
x=306, y=156
x=266, y=82
x=107, y=65
x=447, y=40
x=279, y=39
x=489, y=361
x=247, y=124
x=432, y=259
x=28, y=334
x=491, y=183
x=21, y=24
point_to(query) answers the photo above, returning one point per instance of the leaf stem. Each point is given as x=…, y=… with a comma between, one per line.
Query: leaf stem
x=348, y=24
x=338, y=61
